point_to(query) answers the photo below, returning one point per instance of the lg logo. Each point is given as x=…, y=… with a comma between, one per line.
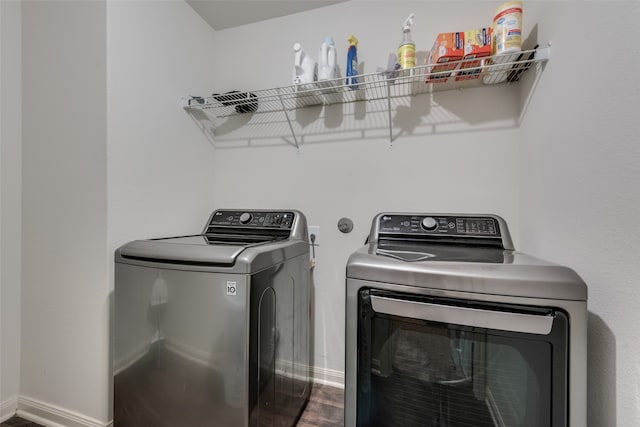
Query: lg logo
x=231, y=288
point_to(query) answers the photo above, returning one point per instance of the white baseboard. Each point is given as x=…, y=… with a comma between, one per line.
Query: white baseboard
x=330, y=377
x=53, y=416
x=8, y=408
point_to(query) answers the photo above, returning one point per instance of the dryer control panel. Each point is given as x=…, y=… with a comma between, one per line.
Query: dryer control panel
x=442, y=228
x=449, y=225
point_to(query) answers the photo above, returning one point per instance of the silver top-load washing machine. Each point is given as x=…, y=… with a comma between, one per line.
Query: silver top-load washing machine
x=213, y=329
x=447, y=325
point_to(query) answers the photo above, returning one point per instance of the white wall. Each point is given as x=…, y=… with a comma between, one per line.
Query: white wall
x=64, y=276
x=10, y=201
x=580, y=166
x=458, y=153
x=160, y=166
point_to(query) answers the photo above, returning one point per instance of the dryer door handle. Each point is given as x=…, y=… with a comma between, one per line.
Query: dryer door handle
x=455, y=315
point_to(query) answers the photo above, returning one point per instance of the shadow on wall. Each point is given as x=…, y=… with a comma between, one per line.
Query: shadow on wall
x=112, y=311
x=430, y=114
x=601, y=373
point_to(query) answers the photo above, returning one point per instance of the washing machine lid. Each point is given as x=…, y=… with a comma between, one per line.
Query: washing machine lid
x=453, y=252
x=198, y=249
x=227, y=238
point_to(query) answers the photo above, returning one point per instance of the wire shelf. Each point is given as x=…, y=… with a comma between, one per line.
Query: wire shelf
x=424, y=79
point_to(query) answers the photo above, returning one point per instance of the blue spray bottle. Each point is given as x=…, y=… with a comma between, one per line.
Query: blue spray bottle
x=352, y=63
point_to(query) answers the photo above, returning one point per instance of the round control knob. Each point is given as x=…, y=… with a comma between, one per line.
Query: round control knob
x=245, y=218
x=429, y=223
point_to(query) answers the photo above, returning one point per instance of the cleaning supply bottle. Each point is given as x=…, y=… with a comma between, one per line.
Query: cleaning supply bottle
x=304, y=67
x=407, y=48
x=327, y=60
x=352, y=63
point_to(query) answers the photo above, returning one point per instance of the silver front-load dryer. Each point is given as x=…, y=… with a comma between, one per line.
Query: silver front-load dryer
x=447, y=325
x=213, y=329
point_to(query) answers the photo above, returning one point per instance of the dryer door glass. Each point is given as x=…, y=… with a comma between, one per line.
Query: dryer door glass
x=427, y=361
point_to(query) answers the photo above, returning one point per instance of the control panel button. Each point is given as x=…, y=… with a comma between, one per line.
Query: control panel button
x=245, y=218
x=429, y=223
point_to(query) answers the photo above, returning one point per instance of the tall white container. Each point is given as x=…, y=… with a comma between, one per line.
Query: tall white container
x=327, y=60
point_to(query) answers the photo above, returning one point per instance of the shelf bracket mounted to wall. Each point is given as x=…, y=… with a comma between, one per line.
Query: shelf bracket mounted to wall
x=286, y=114
x=389, y=114
x=542, y=56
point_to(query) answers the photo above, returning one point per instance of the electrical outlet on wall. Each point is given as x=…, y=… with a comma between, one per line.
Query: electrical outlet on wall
x=315, y=230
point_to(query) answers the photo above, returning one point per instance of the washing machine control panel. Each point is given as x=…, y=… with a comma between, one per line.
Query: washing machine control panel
x=448, y=225
x=252, y=219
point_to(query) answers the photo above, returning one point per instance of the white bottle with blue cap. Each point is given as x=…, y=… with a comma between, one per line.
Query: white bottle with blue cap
x=327, y=60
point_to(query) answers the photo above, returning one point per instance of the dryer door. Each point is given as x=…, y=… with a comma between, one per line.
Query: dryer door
x=426, y=361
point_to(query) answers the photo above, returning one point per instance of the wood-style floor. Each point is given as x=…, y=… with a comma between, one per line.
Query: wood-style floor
x=19, y=422
x=325, y=409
